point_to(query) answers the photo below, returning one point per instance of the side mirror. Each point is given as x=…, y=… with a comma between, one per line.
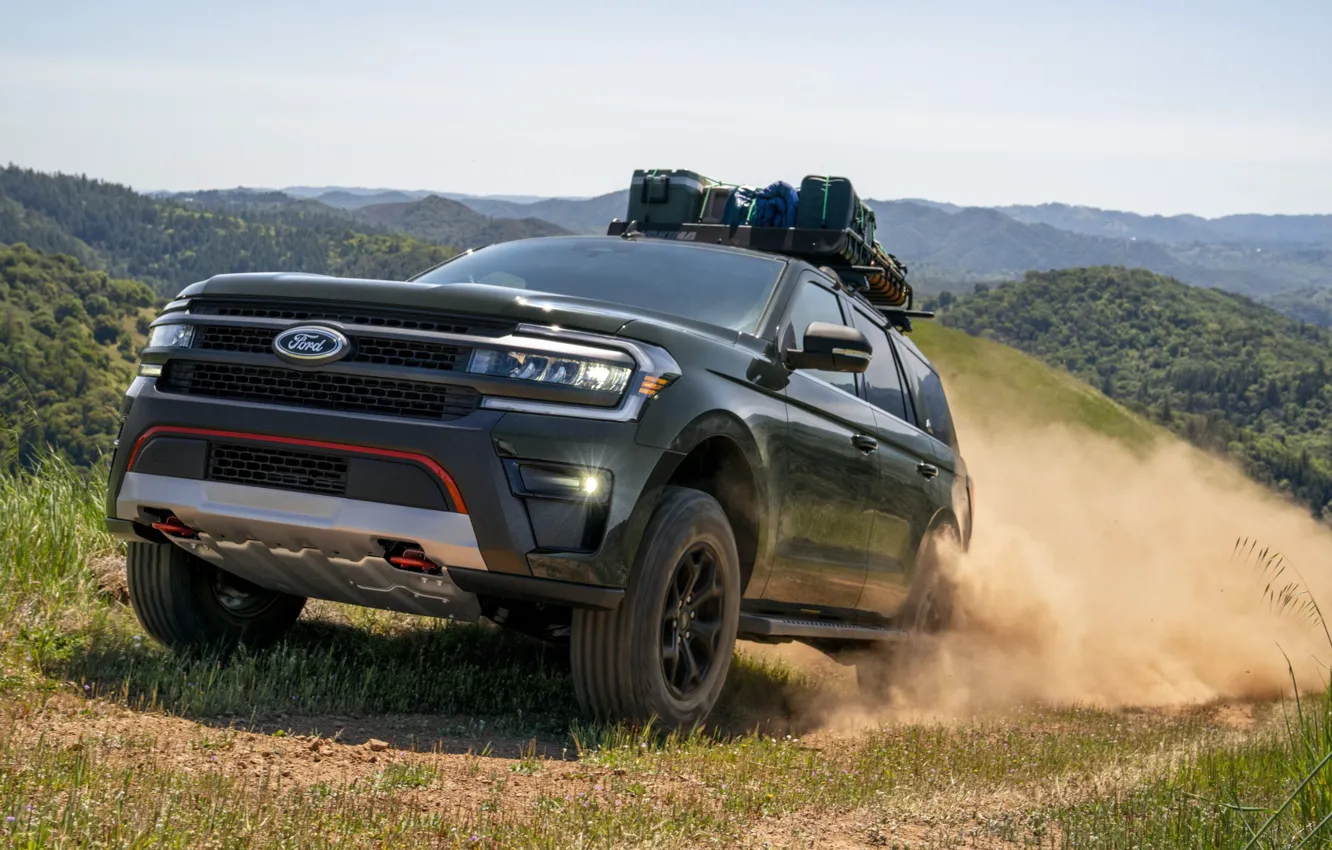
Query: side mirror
x=831, y=348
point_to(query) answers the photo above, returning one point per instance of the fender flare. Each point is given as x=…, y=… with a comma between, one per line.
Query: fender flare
x=706, y=426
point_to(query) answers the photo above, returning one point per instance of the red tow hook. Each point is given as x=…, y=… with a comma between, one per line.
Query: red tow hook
x=174, y=527
x=413, y=559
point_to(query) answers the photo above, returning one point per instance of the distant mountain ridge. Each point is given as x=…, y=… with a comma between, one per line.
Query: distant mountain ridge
x=1178, y=229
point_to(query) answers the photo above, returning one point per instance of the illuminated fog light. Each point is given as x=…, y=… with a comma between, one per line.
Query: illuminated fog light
x=150, y=370
x=562, y=482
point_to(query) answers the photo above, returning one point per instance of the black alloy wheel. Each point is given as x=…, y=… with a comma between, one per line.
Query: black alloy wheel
x=691, y=627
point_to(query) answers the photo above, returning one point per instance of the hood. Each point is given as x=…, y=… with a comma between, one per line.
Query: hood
x=475, y=299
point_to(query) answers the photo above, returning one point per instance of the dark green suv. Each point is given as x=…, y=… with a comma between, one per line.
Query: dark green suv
x=644, y=447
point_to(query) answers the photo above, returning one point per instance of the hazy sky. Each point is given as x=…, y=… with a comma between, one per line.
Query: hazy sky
x=1161, y=107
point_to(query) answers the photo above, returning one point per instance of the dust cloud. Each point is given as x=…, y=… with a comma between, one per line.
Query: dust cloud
x=1099, y=576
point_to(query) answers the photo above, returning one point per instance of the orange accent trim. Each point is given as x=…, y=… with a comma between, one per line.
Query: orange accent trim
x=434, y=467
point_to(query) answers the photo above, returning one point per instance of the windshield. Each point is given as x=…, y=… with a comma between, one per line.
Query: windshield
x=710, y=285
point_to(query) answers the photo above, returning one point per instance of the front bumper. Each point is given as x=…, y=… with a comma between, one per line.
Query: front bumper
x=330, y=547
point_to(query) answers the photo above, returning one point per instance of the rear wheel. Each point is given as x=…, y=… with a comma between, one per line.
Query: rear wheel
x=927, y=611
x=187, y=603
x=664, y=653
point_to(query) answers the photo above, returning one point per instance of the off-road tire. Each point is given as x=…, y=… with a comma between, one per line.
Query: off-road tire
x=621, y=658
x=179, y=600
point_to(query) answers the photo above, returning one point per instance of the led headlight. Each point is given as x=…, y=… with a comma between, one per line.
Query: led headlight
x=171, y=336
x=550, y=368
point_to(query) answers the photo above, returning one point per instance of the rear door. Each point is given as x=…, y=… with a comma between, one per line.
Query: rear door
x=903, y=504
x=831, y=472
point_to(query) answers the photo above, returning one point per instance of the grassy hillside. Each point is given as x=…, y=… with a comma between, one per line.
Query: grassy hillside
x=446, y=222
x=169, y=245
x=1224, y=372
x=68, y=339
x=993, y=384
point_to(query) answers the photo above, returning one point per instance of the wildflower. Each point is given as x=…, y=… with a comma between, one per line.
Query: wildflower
x=10, y=819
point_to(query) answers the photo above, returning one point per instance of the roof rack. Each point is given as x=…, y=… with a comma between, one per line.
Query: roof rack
x=865, y=269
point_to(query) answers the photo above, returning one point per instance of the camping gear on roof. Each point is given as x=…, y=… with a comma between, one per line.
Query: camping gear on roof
x=739, y=206
x=825, y=222
x=774, y=206
x=667, y=196
x=715, y=199
x=832, y=202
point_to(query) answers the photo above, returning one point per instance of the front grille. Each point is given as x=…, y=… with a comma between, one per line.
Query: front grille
x=280, y=469
x=244, y=340
x=326, y=390
x=372, y=317
x=411, y=354
x=385, y=351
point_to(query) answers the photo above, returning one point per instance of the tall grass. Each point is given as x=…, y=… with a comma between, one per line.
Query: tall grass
x=1272, y=790
x=51, y=526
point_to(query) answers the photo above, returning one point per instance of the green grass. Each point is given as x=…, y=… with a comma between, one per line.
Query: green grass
x=991, y=384
x=1056, y=777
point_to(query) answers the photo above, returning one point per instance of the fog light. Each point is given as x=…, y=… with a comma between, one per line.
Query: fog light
x=150, y=370
x=560, y=482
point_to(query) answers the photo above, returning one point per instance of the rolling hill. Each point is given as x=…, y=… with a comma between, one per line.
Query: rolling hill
x=446, y=222
x=1228, y=374
x=169, y=244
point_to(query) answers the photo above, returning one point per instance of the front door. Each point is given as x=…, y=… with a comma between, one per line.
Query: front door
x=828, y=486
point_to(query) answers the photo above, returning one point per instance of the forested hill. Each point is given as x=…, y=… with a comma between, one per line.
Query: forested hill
x=441, y=220
x=1218, y=368
x=170, y=245
x=68, y=340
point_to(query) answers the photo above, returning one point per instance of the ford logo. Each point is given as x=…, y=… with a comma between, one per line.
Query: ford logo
x=310, y=345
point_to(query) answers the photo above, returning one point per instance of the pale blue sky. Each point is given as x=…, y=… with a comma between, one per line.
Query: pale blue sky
x=1159, y=107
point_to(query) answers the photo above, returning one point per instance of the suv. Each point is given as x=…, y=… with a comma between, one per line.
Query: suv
x=646, y=447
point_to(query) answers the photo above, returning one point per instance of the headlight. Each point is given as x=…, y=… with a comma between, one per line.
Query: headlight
x=549, y=368
x=171, y=336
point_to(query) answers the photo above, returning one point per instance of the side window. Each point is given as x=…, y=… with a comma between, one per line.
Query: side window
x=931, y=403
x=813, y=303
x=883, y=384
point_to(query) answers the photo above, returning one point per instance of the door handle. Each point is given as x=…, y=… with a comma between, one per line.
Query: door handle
x=928, y=470
x=865, y=443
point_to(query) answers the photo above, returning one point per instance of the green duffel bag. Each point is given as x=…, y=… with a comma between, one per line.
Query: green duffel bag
x=667, y=196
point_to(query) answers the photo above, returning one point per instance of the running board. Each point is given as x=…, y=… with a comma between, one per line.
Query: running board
x=754, y=624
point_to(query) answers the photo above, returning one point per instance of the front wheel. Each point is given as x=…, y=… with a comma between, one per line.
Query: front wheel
x=664, y=653
x=187, y=603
